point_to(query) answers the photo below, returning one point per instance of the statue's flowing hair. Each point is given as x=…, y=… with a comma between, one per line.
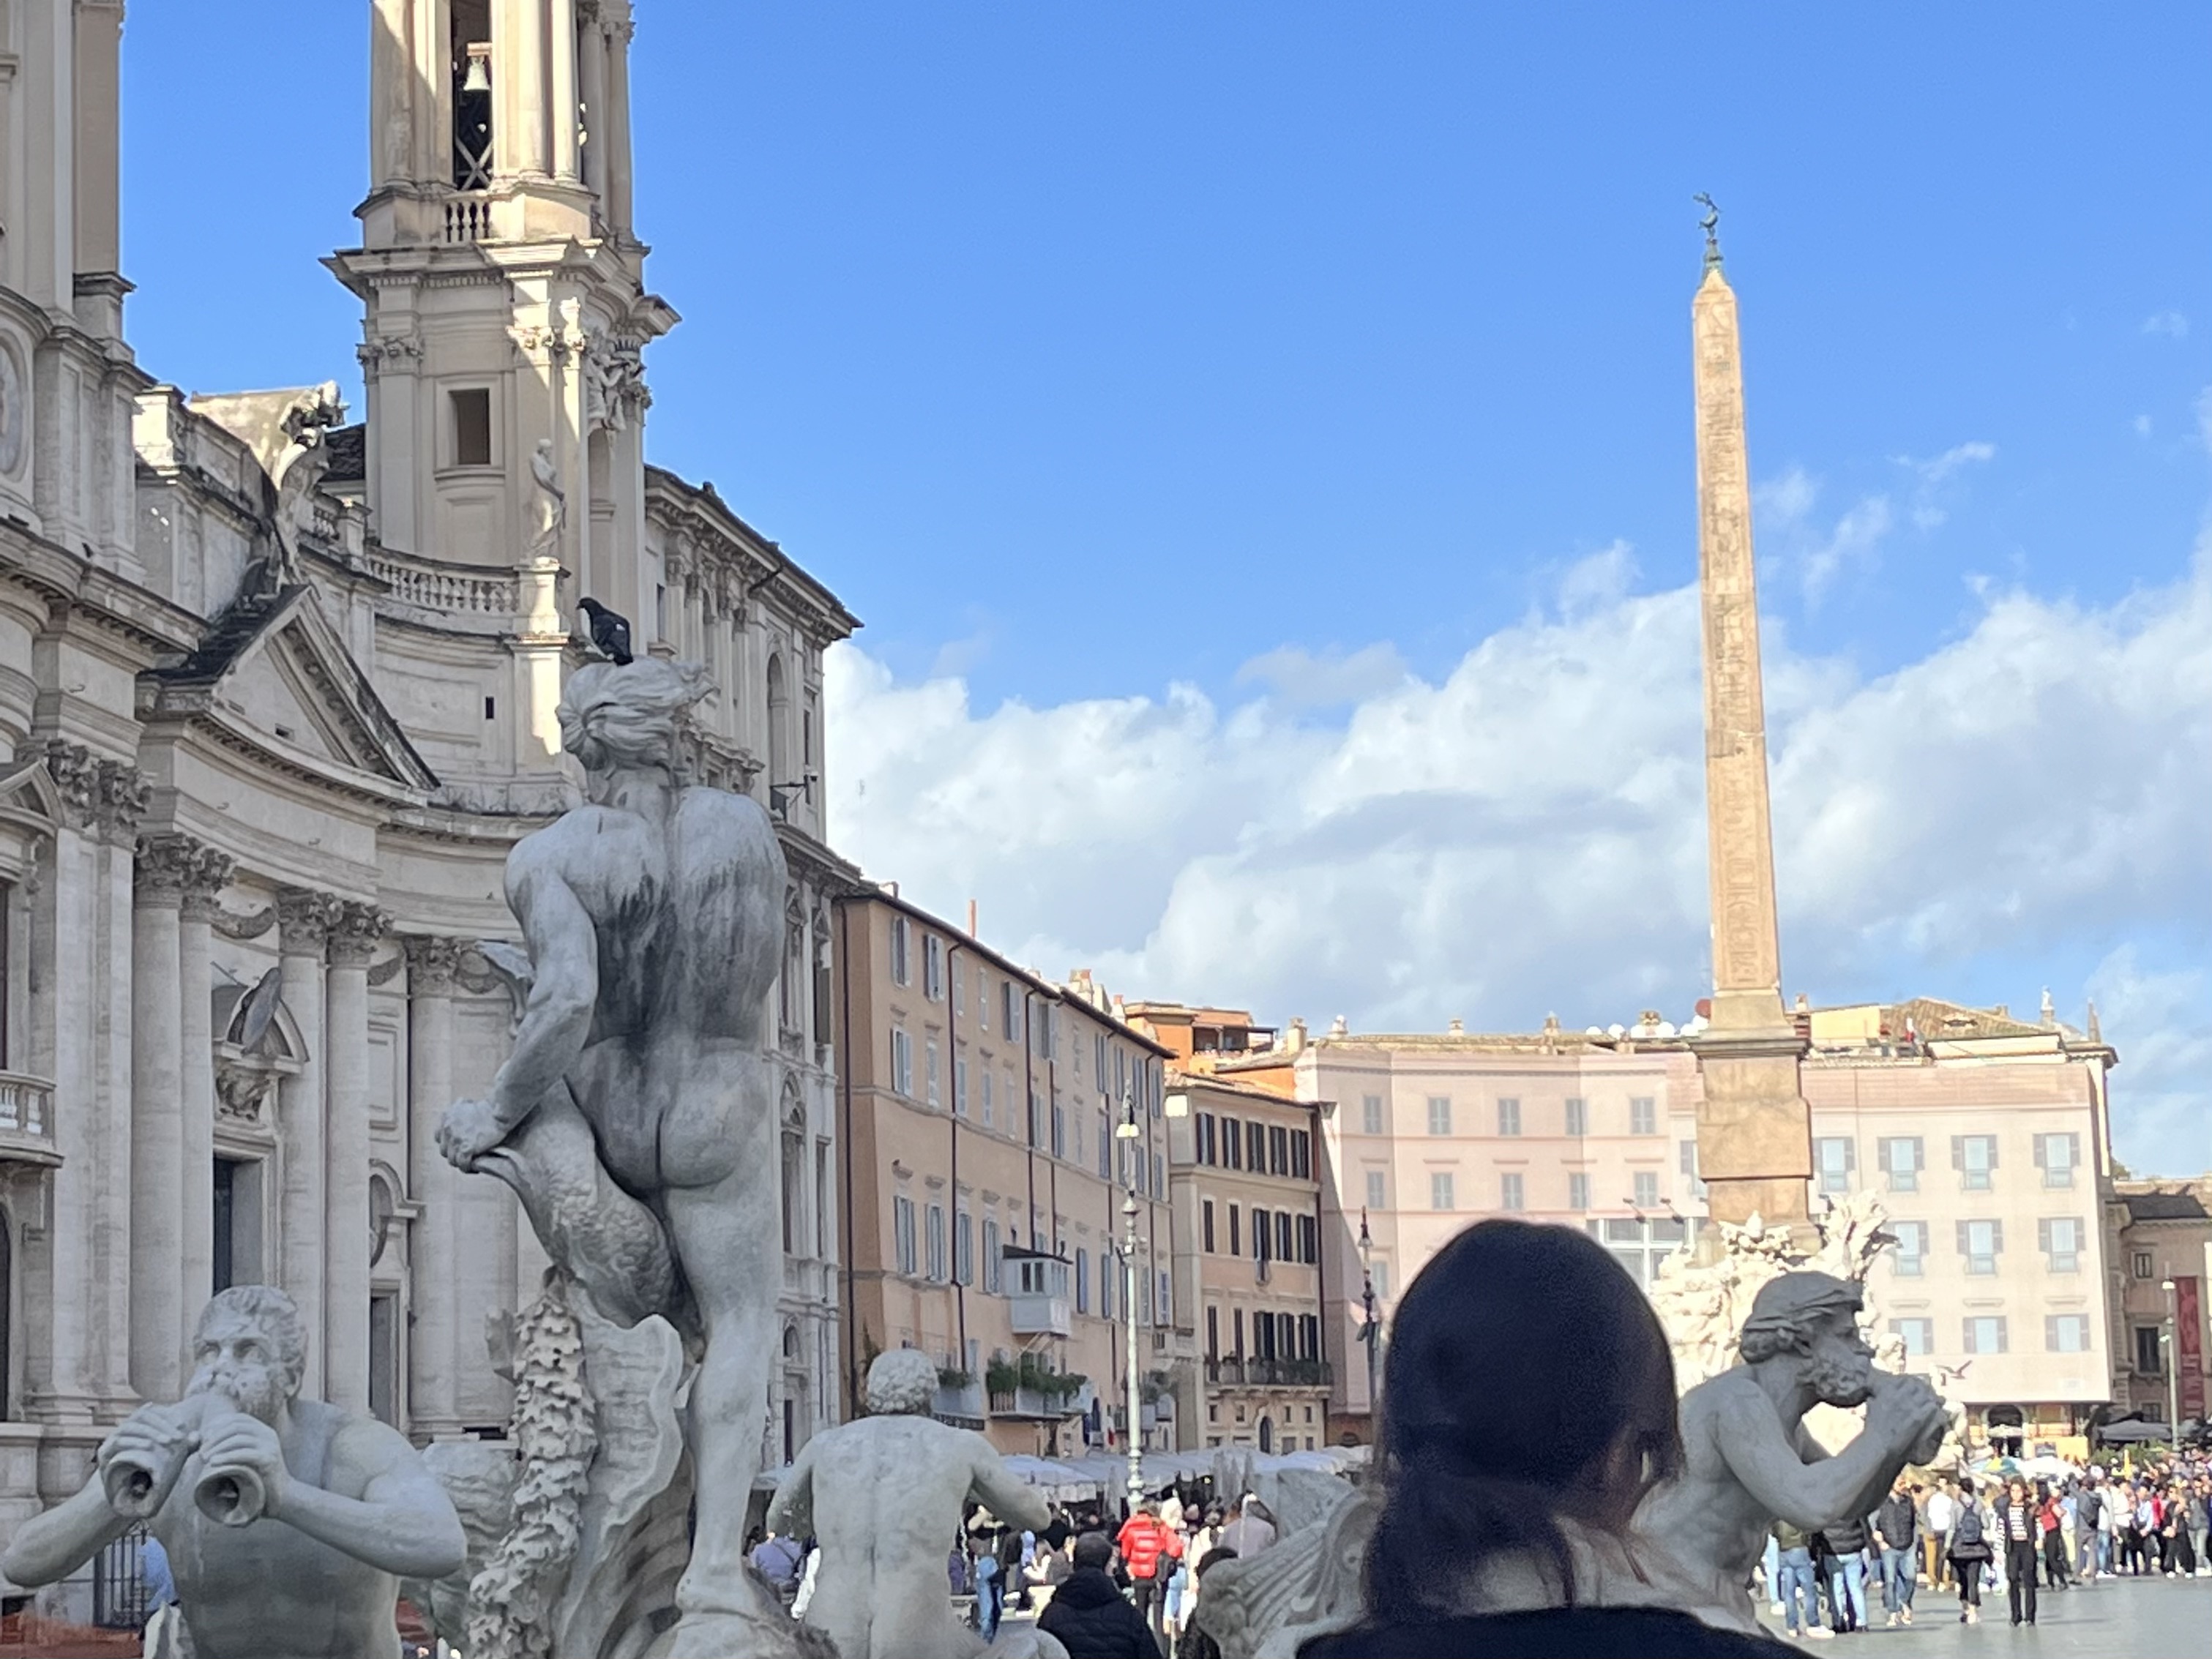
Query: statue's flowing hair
x=630, y=715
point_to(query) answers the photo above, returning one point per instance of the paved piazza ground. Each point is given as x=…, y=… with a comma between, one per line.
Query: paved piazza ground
x=2156, y=1618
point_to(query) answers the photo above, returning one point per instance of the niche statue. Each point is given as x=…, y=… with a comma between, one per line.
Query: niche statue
x=288, y=1522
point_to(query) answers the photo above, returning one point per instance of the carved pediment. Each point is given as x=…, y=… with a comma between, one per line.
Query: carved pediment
x=277, y=669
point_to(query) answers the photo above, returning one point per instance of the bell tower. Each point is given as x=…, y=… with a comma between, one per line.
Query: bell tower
x=504, y=292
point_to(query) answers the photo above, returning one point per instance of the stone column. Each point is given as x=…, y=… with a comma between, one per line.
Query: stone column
x=96, y=161
x=615, y=189
x=304, y=918
x=208, y=875
x=1754, y=1130
x=561, y=101
x=592, y=78
x=63, y=923
x=518, y=88
x=434, y=1350
x=393, y=69
x=353, y=932
x=157, y=1171
x=123, y=795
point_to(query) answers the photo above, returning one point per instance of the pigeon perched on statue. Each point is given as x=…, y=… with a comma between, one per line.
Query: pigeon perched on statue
x=610, y=632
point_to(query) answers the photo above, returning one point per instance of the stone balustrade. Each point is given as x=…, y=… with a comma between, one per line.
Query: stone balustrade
x=27, y=1116
x=470, y=597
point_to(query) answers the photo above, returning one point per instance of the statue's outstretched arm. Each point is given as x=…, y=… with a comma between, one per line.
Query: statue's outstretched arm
x=556, y=1021
x=1011, y=1499
x=791, y=1512
x=1807, y=1495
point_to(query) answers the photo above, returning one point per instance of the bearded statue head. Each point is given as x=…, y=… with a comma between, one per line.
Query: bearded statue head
x=1811, y=1320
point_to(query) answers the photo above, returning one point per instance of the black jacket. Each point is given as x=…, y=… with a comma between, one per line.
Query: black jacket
x=1091, y=1620
x=1897, y=1522
x=1554, y=1633
x=1845, y=1537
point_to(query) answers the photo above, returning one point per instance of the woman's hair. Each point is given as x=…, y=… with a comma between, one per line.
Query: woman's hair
x=1523, y=1359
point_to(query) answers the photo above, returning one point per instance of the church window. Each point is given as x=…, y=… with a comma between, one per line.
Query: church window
x=472, y=409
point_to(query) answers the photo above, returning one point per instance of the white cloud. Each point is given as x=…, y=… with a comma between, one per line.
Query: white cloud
x=2143, y=426
x=1527, y=835
x=2172, y=324
x=1303, y=679
x=2162, y=1023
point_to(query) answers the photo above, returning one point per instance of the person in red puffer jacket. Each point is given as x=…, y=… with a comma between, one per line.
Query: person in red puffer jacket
x=1149, y=1549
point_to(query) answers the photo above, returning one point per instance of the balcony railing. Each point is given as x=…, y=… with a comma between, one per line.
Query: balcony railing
x=26, y=1118
x=1036, y=1315
x=1269, y=1373
x=468, y=216
x=1034, y=1403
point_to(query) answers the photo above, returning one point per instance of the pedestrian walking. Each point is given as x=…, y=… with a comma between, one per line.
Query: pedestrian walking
x=1942, y=1508
x=1894, y=1534
x=2019, y=1519
x=1969, y=1552
x=1793, y=1586
x=164, y=1621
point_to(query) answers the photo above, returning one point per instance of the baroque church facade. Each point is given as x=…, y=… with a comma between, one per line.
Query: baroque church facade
x=276, y=697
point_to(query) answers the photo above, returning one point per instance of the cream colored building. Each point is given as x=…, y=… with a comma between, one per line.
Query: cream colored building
x=1988, y=1140
x=1430, y=1132
x=276, y=696
x=981, y=1183
x=1985, y=1137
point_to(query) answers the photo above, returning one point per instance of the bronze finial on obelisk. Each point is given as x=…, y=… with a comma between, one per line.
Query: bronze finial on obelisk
x=1754, y=1131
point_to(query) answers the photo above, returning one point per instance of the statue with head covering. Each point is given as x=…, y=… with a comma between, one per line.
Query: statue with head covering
x=1748, y=1461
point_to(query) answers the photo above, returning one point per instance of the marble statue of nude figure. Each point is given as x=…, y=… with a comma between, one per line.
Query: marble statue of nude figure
x=635, y=1116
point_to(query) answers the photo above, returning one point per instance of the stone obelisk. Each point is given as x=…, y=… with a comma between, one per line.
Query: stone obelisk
x=1754, y=1131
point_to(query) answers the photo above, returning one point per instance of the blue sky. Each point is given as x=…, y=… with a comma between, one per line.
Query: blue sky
x=1294, y=354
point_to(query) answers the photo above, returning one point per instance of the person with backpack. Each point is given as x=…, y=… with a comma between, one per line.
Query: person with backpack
x=2088, y=1510
x=1969, y=1552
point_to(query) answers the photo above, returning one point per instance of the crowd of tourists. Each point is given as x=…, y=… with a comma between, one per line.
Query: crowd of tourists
x=2001, y=1533
x=1106, y=1587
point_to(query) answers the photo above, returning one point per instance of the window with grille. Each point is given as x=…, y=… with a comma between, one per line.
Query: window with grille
x=1902, y=1160
x=1985, y=1334
x=2057, y=1157
x=1832, y=1159
x=1981, y=1242
x=2066, y=1333
x=902, y=1234
x=1911, y=1257
x=2060, y=1241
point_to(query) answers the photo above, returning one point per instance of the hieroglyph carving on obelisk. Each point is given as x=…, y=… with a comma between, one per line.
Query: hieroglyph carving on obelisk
x=1754, y=1146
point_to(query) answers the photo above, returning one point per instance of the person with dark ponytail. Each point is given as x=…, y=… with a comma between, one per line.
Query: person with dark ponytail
x=1527, y=1406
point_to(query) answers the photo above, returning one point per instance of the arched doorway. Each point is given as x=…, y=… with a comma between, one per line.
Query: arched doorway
x=1266, y=1435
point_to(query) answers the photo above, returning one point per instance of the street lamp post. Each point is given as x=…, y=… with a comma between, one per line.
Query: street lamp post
x=1370, y=1334
x=1127, y=1133
x=2172, y=1337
